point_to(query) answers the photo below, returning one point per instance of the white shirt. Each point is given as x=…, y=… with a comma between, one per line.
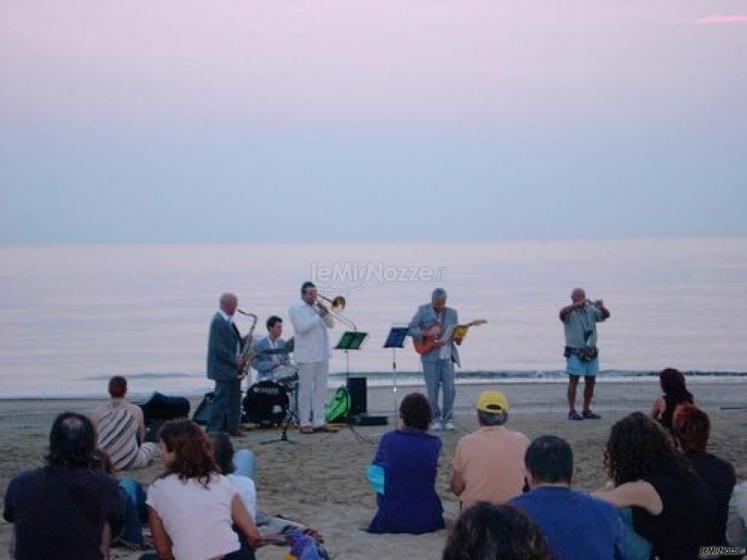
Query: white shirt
x=197, y=519
x=312, y=341
x=445, y=352
x=229, y=320
x=247, y=491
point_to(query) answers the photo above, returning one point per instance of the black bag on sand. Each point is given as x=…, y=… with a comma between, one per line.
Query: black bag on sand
x=161, y=407
x=158, y=409
x=202, y=412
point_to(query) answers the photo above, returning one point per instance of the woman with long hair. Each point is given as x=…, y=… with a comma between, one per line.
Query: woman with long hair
x=692, y=427
x=191, y=506
x=674, y=389
x=671, y=507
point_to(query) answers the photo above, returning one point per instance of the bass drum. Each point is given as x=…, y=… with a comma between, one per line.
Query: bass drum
x=266, y=404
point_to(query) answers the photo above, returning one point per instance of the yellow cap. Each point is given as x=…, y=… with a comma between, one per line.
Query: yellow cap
x=492, y=401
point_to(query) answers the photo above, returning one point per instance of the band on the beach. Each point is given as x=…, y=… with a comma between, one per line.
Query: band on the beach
x=667, y=496
x=436, y=335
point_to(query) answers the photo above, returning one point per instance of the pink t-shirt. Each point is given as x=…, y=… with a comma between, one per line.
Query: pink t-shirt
x=491, y=461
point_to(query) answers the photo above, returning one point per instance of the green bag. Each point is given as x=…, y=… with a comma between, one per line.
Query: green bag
x=338, y=406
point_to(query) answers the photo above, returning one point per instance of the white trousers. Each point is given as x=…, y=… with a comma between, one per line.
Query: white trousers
x=312, y=392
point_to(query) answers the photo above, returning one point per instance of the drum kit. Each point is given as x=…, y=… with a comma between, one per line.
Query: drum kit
x=268, y=402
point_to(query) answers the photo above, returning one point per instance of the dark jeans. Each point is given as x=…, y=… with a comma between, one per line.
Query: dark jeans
x=225, y=409
x=132, y=512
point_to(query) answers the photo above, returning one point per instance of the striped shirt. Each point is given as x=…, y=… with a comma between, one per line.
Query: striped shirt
x=120, y=427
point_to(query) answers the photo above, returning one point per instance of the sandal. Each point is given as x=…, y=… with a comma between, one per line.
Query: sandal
x=306, y=430
x=589, y=415
x=573, y=415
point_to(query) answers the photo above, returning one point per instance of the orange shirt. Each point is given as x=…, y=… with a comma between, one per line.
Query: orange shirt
x=491, y=461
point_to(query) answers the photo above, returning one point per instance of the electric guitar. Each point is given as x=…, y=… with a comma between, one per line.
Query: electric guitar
x=428, y=343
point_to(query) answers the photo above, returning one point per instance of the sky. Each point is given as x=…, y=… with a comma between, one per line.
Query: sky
x=183, y=121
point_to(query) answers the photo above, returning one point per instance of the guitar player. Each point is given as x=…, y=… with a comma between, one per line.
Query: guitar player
x=435, y=321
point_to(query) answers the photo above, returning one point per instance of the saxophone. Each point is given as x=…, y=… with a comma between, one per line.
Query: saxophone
x=247, y=351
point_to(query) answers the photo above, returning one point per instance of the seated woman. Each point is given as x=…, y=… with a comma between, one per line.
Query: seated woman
x=191, y=506
x=671, y=507
x=673, y=385
x=409, y=459
x=692, y=427
x=241, y=479
x=488, y=532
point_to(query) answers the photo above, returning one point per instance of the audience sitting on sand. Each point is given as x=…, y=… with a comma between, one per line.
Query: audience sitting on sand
x=670, y=507
x=191, y=506
x=65, y=509
x=736, y=523
x=489, y=532
x=127, y=527
x=408, y=457
x=675, y=392
x=238, y=467
x=121, y=430
x=489, y=463
x=563, y=514
x=692, y=428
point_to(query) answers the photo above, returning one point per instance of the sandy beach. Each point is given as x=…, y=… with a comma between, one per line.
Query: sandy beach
x=319, y=479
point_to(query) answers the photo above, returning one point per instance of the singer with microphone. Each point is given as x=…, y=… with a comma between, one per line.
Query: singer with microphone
x=580, y=320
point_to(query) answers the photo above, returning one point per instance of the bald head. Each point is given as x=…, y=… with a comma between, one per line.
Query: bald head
x=578, y=295
x=229, y=303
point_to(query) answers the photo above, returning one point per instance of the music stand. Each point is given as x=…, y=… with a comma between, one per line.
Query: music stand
x=351, y=340
x=395, y=339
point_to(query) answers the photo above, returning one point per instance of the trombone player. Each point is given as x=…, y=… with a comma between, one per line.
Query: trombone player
x=311, y=319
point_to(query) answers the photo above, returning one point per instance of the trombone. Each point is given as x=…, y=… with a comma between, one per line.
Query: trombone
x=336, y=306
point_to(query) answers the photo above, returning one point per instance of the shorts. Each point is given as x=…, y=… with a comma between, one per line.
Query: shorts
x=574, y=366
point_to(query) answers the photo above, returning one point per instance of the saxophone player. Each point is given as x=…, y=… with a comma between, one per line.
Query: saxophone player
x=224, y=366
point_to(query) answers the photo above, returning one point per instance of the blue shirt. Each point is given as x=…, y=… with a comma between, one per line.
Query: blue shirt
x=575, y=524
x=409, y=503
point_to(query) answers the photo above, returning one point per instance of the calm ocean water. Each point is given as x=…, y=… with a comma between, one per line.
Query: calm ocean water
x=70, y=317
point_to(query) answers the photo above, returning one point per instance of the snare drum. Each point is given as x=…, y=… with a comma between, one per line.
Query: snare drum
x=266, y=403
x=286, y=374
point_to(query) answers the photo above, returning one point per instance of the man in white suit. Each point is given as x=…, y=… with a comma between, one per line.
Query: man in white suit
x=311, y=319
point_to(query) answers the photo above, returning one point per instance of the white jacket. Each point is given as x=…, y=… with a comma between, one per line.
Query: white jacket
x=310, y=338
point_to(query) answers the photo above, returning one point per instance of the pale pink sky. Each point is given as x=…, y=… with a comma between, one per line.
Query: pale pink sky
x=279, y=62
x=124, y=120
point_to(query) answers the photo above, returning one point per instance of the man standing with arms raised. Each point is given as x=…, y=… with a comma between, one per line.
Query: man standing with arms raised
x=580, y=320
x=223, y=366
x=438, y=321
x=311, y=319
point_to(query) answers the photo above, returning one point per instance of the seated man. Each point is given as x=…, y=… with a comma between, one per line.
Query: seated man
x=575, y=524
x=267, y=362
x=489, y=463
x=64, y=510
x=121, y=430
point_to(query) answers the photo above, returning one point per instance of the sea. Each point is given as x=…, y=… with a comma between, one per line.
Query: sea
x=72, y=316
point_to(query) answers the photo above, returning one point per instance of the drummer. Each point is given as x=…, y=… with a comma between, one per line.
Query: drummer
x=271, y=351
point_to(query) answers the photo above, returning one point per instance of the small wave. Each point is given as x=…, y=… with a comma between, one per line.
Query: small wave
x=145, y=375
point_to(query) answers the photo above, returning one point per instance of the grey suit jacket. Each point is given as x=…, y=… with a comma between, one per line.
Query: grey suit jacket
x=221, y=355
x=425, y=317
x=264, y=363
